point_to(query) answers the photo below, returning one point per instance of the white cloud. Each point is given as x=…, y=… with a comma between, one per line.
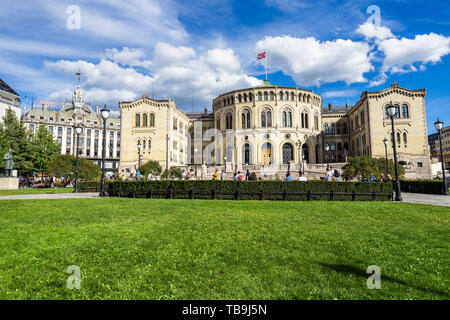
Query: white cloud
x=370, y=31
x=179, y=72
x=402, y=54
x=311, y=62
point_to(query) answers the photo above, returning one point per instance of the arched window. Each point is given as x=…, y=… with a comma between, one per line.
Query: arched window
x=325, y=128
x=239, y=98
x=405, y=111
x=272, y=96
x=266, y=97
x=281, y=95
x=332, y=129
x=345, y=128
x=229, y=121
x=338, y=128
x=287, y=118
x=286, y=96
x=292, y=96
x=259, y=96
x=405, y=138
x=218, y=122
x=333, y=146
x=245, y=97
x=149, y=145
x=152, y=119
x=266, y=118
x=138, y=120
x=143, y=146
x=398, y=138
x=245, y=119
x=304, y=119
x=250, y=96
x=144, y=120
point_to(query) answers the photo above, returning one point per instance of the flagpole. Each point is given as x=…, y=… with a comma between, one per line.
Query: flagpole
x=266, y=64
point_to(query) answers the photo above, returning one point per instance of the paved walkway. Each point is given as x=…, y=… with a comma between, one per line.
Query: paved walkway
x=51, y=196
x=434, y=199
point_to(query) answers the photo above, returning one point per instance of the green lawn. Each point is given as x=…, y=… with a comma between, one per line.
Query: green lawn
x=35, y=191
x=192, y=249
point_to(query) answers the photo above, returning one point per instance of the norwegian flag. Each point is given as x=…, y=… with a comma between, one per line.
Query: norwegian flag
x=261, y=56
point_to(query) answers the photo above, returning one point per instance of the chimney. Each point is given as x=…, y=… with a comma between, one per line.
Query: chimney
x=206, y=110
x=329, y=106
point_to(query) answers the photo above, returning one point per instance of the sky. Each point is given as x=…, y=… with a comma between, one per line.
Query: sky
x=192, y=51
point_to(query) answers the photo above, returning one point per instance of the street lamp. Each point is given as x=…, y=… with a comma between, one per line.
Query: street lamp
x=139, y=146
x=391, y=111
x=78, y=131
x=438, y=125
x=327, y=149
x=105, y=115
x=385, y=141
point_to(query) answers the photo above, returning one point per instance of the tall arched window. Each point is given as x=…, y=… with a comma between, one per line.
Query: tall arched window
x=292, y=96
x=304, y=119
x=266, y=118
x=152, y=119
x=149, y=145
x=239, y=98
x=144, y=120
x=245, y=119
x=138, y=120
x=332, y=129
x=272, y=96
x=287, y=118
x=229, y=120
x=405, y=138
x=325, y=128
x=398, y=138
x=266, y=96
x=259, y=96
x=250, y=96
x=281, y=95
x=286, y=96
x=245, y=97
x=405, y=111
x=143, y=146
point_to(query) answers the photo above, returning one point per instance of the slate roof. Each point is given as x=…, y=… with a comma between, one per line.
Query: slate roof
x=4, y=87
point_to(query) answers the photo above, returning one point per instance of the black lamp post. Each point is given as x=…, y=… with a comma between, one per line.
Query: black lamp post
x=391, y=111
x=438, y=125
x=139, y=146
x=78, y=131
x=105, y=115
x=385, y=141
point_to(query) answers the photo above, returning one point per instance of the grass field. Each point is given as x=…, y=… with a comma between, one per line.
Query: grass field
x=189, y=249
x=35, y=191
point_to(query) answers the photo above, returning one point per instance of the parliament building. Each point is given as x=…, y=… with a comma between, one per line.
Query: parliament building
x=272, y=129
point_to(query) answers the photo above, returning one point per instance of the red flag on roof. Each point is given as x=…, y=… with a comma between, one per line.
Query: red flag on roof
x=260, y=56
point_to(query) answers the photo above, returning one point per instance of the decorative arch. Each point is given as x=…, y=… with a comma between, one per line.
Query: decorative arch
x=286, y=117
x=152, y=120
x=288, y=152
x=245, y=118
x=267, y=154
x=266, y=117
x=145, y=120
x=304, y=119
x=137, y=120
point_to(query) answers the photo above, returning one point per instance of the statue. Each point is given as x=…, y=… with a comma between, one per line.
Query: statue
x=9, y=162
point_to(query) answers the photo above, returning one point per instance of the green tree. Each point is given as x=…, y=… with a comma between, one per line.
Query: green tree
x=14, y=135
x=45, y=148
x=365, y=166
x=174, y=173
x=64, y=166
x=151, y=167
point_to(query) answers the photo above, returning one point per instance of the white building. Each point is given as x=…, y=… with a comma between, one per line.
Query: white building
x=9, y=99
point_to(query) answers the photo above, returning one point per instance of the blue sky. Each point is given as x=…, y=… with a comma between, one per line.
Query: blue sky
x=192, y=51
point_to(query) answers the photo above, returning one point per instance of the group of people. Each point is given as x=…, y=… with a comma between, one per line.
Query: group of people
x=46, y=182
x=383, y=178
x=332, y=174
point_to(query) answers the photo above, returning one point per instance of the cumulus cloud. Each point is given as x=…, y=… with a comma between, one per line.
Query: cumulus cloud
x=402, y=54
x=312, y=62
x=179, y=73
x=370, y=31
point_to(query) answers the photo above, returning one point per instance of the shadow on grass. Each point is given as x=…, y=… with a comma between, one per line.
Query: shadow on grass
x=346, y=269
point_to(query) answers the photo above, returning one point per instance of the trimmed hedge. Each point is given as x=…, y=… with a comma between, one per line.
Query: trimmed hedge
x=422, y=186
x=247, y=190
